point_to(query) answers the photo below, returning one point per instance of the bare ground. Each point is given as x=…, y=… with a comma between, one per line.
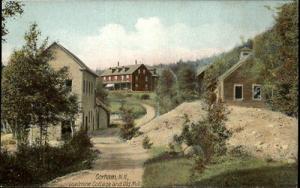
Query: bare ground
x=260, y=132
x=119, y=164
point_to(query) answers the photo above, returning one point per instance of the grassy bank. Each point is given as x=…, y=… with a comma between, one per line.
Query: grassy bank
x=131, y=100
x=223, y=171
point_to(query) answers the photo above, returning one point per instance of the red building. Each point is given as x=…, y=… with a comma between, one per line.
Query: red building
x=135, y=77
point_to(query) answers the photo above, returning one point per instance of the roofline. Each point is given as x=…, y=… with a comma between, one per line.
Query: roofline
x=83, y=66
x=100, y=103
x=123, y=66
x=234, y=67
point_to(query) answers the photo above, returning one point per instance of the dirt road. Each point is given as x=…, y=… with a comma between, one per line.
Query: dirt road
x=147, y=117
x=119, y=164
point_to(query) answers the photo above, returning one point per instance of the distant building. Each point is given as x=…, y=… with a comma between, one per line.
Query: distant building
x=239, y=85
x=82, y=82
x=137, y=77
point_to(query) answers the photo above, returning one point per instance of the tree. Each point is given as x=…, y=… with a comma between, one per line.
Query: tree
x=186, y=83
x=10, y=9
x=101, y=93
x=166, y=91
x=34, y=93
x=277, y=50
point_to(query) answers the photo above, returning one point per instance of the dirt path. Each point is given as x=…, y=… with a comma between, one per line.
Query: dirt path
x=119, y=164
x=147, y=117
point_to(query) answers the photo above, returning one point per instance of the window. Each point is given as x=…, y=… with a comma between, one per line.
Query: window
x=127, y=76
x=136, y=78
x=238, y=92
x=109, y=78
x=146, y=78
x=83, y=88
x=144, y=71
x=122, y=77
x=104, y=78
x=136, y=85
x=256, y=92
x=68, y=84
x=116, y=77
x=146, y=86
x=139, y=71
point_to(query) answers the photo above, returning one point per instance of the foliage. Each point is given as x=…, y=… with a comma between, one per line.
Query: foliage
x=186, y=83
x=29, y=168
x=209, y=133
x=10, y=9
x=33, y=92
x=146, y=143
x=166, y=91
x=277, y=49
x=128, y=130
x=145, y=97
x=101, y=93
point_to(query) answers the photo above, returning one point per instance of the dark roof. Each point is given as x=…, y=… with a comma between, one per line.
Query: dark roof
x=77, y=60
x=120, y=70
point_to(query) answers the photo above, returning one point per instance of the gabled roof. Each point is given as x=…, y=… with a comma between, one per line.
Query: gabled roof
x=83, y=66
x=235, y=67
x=120, y=70
x=101, y=104
x=202, y=69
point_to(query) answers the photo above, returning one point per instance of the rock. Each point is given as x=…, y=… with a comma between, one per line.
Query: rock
x=184, y=146
x=193, y=150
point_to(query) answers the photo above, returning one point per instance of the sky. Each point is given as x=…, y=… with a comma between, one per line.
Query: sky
x=101, y=33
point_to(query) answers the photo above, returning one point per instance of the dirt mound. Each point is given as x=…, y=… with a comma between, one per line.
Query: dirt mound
x=263, y=133
x=162, y=129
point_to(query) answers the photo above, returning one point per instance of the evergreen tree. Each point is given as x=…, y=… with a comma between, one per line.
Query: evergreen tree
x=186, y=83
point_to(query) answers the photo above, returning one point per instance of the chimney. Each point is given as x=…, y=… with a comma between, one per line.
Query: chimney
x=245, y=52
x=118, y=63
x=136, y=62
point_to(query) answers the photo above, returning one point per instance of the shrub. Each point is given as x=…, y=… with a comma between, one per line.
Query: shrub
x=34, y=165
x=128, y=130
x=209, y=133
x=145, y=97
x=146, y=143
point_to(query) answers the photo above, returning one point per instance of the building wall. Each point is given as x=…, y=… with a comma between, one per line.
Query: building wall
x=83, y=85
x=139, y=81
x=103, y=118
x=60, y=60
x=118, y=79
x=244, y=76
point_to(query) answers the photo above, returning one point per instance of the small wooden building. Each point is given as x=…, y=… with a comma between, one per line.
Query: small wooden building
x=239, y=85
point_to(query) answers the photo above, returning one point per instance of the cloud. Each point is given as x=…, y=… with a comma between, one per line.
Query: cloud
x=151, y=42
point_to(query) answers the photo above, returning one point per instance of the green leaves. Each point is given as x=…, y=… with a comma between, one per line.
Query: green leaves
x=33, y=89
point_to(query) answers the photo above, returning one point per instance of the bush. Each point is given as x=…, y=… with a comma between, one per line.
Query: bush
x=34, y=165
x=209, y=133
x=146, y=143
x=145, y=97
x=128, y=130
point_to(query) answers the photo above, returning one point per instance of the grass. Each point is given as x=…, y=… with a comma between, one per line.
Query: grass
x=163, y=170
x=248, y=172
x=131, y=101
